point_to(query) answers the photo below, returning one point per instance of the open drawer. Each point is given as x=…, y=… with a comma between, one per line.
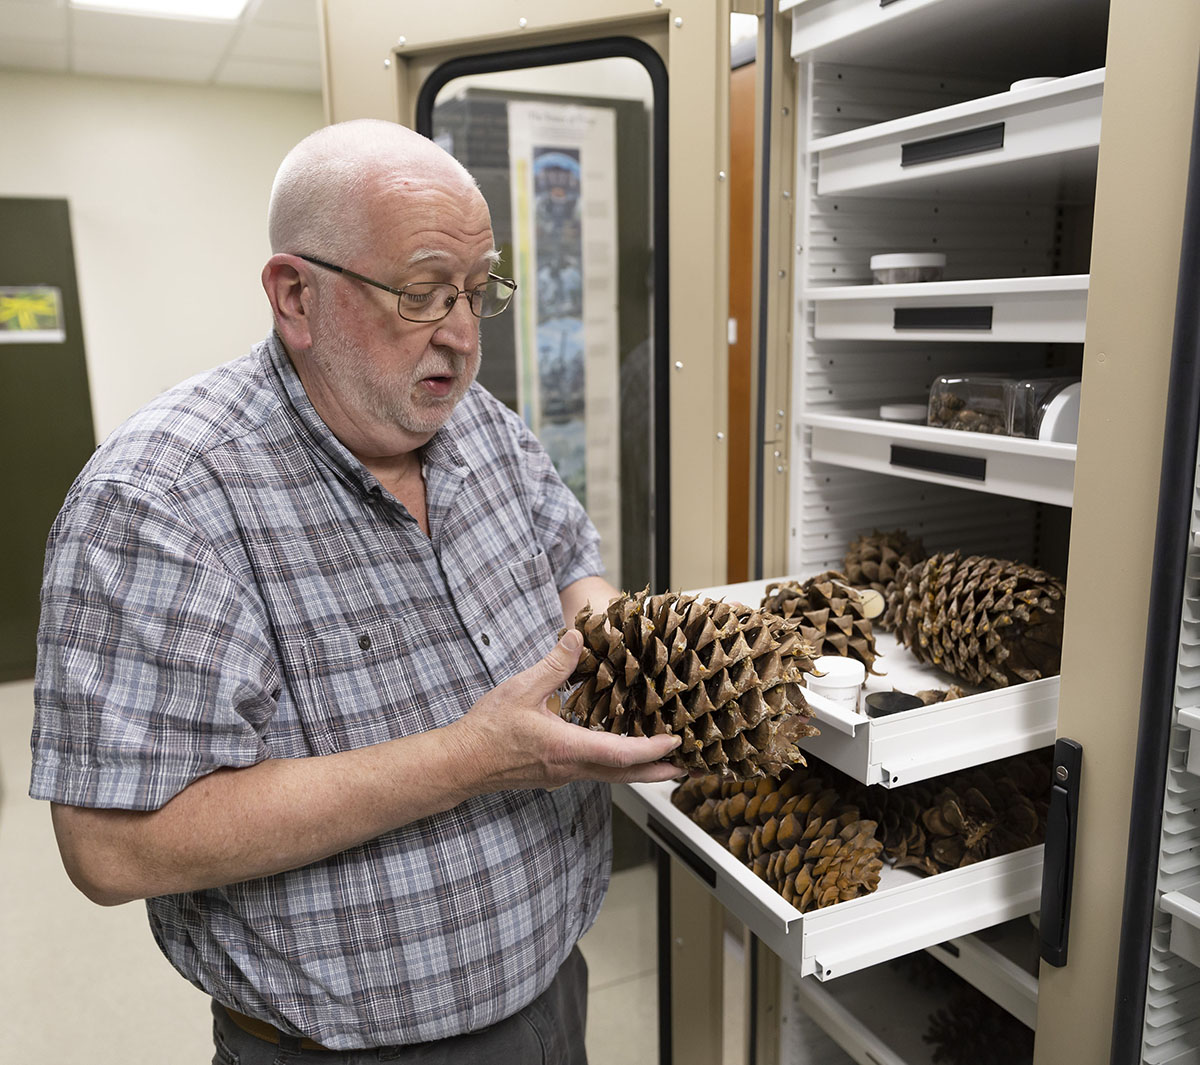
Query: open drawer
x=908, y=912
x=916, y=744
x=1049, y=309
x=1044, y=133
x=1038, y=470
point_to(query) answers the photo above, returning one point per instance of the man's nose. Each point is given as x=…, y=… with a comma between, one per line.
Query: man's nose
x=460, y=328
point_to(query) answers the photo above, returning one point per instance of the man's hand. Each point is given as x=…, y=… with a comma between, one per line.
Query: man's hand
x=513, y=739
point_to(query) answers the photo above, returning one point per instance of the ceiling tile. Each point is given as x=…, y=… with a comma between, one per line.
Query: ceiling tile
x=300, y=13
x=159, y=63
x=108, y=31
x=276, y=42
x=304, y=77
x=33, y=55
x=32, y=21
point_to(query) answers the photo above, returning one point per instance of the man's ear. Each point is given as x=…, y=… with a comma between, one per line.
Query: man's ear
x=290, y=294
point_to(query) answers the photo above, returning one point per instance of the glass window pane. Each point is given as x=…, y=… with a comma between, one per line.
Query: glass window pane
x=563, y=156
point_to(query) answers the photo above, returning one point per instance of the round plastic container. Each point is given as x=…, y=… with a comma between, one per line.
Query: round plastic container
x=841, y=679
x=902, y=268
x=880, y=704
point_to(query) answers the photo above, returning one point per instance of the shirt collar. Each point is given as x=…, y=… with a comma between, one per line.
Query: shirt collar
x=442, y=450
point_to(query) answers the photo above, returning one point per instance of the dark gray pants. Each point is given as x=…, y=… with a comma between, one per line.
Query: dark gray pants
x=549, y=1031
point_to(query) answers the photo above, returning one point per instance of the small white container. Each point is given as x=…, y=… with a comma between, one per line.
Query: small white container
x=841, y=679
x=906, y=267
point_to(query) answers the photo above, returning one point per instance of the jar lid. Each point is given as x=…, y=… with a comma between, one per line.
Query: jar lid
x=903, y=412
x=899, y=260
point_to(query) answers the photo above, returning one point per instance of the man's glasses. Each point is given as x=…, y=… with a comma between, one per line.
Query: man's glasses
x=431, y=301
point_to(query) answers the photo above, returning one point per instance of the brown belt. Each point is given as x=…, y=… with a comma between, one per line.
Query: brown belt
x=261, y=1030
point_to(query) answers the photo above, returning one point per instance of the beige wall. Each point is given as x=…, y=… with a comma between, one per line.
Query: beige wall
x=167, y=186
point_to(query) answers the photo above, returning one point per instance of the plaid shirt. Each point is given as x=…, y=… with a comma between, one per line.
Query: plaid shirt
x=226, y=583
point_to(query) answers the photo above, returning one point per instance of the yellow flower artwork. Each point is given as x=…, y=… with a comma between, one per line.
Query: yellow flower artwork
x=31, y=314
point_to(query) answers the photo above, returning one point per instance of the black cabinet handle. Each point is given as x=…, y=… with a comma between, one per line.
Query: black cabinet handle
x=1058, y=865
x=967, y=318
x=918, y=458
x=953, y=145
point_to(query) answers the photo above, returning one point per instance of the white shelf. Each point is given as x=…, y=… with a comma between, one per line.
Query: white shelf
x=870, y=1015
x=1044, y=309
x=907, y=912
x=916, y=744
x=1184, y=908
x=990, y=968
x=1189, y=718
x=1047, y=133
x=982, y=37
x=1038, y=470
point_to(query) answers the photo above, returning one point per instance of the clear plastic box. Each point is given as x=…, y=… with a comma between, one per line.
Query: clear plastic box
x=975, y=403
x=998, y=403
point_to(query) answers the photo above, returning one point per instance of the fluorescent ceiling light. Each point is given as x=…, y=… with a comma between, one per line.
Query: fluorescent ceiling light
x=223, y=10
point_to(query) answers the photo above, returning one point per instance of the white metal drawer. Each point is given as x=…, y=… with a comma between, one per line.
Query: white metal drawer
x=908, y=912
x=1037, y=470
x=1049, y=309
x=1047, y=132
x=917, y=744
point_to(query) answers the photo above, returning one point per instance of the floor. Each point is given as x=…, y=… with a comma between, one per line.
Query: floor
x=74, y=975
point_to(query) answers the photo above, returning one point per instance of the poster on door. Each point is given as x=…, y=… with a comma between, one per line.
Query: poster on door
x=562, y=158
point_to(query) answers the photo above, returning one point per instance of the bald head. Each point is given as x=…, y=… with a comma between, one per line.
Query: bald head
x=323, y=192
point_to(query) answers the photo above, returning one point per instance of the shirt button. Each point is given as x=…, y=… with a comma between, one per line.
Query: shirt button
x=574, y=828
x=486, y=638
x=364, y=641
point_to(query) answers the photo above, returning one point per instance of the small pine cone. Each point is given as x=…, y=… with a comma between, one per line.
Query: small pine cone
x=875, y=560
x=831, y=614
x=983, y=814
x=725, y=678
x=984, y=620
x=929, y=696
x=973, y=1030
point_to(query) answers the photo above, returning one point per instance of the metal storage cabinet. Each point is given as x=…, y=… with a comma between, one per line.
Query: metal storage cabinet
x=872, y=78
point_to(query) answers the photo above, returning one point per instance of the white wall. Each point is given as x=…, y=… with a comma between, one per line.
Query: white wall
x=167, y=186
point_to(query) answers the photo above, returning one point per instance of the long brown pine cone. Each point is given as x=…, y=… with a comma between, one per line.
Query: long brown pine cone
x=987, y=621
x=725, y=678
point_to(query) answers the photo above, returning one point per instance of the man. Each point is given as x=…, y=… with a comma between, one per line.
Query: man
x=298, y=638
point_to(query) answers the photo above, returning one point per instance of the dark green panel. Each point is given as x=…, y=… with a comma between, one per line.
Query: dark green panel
x=45, y=418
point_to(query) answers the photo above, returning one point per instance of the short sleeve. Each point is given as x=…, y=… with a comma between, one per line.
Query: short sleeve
x=155, y=665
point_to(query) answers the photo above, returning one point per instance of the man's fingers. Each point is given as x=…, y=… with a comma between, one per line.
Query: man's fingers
x=621, y=752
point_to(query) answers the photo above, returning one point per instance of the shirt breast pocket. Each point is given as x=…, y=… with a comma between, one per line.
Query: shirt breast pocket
x=518, y=601
x=359, y=689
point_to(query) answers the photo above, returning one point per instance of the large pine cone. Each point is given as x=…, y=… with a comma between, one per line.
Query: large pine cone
x=831, y=615
x=875, y=560
x=987, y=621
x=725, y=678
x=798, y=835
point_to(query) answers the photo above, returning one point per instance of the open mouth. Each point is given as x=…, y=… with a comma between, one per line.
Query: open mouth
x=438, y=384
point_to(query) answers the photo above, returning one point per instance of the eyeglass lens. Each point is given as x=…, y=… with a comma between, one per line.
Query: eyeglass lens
x=429, y=301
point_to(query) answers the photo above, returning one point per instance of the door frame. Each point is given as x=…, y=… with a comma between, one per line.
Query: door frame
x=377, y=56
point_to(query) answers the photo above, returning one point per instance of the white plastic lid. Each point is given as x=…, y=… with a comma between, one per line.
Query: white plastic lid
x=838, y=670
x=1060, y=419
x=903, y=412
x=898, y=260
